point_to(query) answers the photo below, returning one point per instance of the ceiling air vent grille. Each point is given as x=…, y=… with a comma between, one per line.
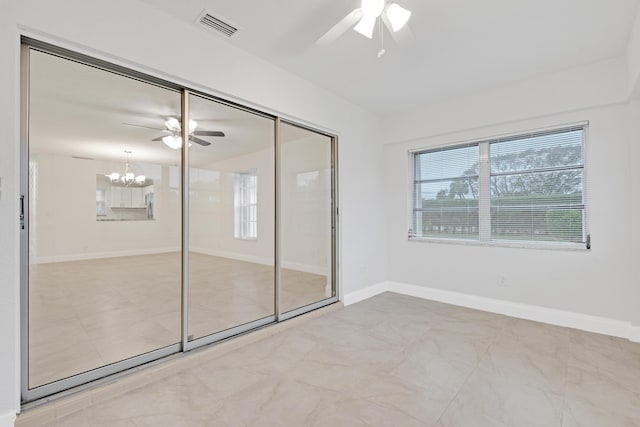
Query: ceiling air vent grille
x=218, y=25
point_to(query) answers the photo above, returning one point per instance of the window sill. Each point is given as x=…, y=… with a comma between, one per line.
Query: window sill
x=572, y=247
x=247, y=239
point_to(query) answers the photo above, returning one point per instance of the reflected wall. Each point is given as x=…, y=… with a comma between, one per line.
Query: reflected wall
x=306, y=171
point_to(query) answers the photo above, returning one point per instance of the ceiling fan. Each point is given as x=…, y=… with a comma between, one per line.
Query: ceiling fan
x=173, y=139
x=363, y=20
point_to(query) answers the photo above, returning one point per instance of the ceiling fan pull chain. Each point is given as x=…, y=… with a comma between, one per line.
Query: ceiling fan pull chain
x=381, y=51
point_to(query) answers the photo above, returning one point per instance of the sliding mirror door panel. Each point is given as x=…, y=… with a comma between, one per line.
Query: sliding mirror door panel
x=306, y=206
x=231, y=217
x=104, y=281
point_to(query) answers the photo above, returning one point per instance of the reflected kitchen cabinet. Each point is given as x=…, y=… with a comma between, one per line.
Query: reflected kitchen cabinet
x=127, y=197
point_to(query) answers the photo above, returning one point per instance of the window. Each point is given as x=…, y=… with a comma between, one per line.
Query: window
x=246, y=206
x=522, y=189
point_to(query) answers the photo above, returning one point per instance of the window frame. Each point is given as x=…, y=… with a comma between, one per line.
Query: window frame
x=484, y=198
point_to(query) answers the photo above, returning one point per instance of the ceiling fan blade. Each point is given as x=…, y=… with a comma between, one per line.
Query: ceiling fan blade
x=340, y=28
x=208, y=133
x=366, y=26
x=404, y=37
x=146, y=127
x=397, y=16
x=199, y=141
x=158, y=138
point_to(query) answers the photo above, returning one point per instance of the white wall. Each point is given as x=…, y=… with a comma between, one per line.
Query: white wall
x=634, y=154
x=129, y=33
x=598, y=282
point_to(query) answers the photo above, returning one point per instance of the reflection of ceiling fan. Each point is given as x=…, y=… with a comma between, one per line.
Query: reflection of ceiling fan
x=174, y=137
x=363, y=20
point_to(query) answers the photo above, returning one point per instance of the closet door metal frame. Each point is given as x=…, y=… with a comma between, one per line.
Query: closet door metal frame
x=87, y=379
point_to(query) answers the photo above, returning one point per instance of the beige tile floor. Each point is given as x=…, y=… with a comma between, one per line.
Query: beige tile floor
x=395, y=360
x=87, y=314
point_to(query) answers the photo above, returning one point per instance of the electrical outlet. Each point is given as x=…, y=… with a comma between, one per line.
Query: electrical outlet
x=502, y=281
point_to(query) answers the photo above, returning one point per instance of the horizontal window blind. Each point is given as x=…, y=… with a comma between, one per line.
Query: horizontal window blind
x=537, y=188
x=445, y=193
x=525, y=189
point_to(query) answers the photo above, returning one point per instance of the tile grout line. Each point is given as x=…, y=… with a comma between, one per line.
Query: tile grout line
x=466, y=381
x=141, y=376
x=566, y=383
x=475, y=369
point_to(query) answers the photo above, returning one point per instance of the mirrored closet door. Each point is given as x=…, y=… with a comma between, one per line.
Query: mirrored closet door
x=158, y=219
x=306, y=187
x=231, y=218
x=104, y=282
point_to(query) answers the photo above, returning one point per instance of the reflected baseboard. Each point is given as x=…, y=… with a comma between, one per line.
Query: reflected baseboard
x=305, y=268
x=99, y=255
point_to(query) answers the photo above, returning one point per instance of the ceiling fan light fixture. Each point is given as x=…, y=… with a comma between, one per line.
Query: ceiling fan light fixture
x=171, y=141
x=174, y=142
x=366, y=26
x=397, y=16
x=172, y=124
x=372, y=8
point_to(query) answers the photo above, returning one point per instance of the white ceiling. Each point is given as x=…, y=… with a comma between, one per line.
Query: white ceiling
x=460, y=46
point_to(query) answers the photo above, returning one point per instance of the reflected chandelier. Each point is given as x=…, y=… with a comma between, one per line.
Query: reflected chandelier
x=127, y=177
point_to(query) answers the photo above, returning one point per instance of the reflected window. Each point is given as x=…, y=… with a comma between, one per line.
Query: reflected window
x=246, y=205
x=101, y=202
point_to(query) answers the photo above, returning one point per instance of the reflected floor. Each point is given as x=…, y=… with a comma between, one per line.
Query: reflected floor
x=87, y=314
x=394, y=360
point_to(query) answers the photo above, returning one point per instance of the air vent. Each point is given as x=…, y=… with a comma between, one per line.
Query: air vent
x=81, y=158
x=216, y=24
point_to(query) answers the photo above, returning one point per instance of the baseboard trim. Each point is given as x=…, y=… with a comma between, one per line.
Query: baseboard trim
x=363, y=294
x=7, y=419
x=634, y=334
x=584, y=322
